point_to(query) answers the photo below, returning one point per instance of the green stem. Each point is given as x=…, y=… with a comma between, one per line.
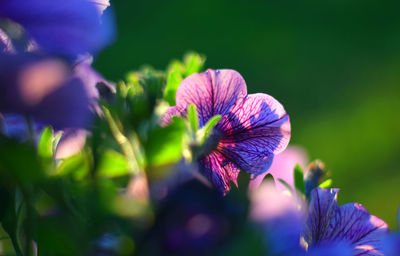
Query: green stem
x=126, y=146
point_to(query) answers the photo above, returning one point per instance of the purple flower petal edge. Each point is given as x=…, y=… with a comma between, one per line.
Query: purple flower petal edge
x=352, y=223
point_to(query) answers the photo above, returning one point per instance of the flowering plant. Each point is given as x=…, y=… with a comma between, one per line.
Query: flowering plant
x=181, y=161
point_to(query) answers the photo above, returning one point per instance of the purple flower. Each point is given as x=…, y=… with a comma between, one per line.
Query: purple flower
x=60, y=27
x=280, y=216
x=253, y=128
x=326, y=229
x=44, y=89
x=329, y=223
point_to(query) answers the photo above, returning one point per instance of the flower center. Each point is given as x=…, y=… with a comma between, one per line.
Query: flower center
x=211, y=142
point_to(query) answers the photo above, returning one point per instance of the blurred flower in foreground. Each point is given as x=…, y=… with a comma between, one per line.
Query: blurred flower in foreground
x=78, y=101
x=282, y=167
x=60, y=27
x=51, y=90
x=42, y=88
x=253, y=128
x=326, y=229
x=194, y=219
x=280, y=215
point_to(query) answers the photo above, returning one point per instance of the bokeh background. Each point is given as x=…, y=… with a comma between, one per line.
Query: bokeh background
x=334, y=65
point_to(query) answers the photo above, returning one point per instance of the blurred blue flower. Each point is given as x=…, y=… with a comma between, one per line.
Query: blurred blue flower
x=42, y=88
x=194, y=219
x=65, y=28
x=48, y=89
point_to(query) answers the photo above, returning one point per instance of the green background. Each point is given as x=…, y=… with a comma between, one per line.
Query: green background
x=334, y=65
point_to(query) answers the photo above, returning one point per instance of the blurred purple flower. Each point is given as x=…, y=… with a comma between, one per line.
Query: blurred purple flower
x=194, y=219
x=350, y=223
x=60, y=27
x=253, y=128
x=280, y=216
x=43, y=77
x=282, y=167
x=44, y=89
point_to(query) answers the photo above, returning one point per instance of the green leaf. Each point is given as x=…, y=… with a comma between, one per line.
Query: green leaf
x=299, y=179
x=210, y=125
x=164, y=144
x=19, y=162
x=76, y=165
x=112, y=164
x=174, y=78
x=177, y=71
x=193, y=118
x=45, y=145
x=326, y=184
x=194, y=63
x=56, y=140
x=286, y=185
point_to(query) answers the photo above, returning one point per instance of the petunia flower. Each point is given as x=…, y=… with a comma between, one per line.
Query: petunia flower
x=253, y=128
x=66, y=28
x=329, y=223
x=325, y=229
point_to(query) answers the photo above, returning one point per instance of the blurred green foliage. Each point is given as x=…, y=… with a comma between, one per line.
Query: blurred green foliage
x=334, y=65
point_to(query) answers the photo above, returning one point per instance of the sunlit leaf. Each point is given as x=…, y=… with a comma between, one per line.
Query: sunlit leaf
x=112, y=164
x=45, y=145
x=299, y=179
x=193, y=117
x=326, y=184
x=76, y=165
x=194, y=63
x=210, y=125
x=164, y=144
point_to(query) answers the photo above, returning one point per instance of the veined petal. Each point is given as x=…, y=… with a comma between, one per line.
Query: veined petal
x=350, y=223
x=166, y=118
x=213, y=92
x=219, y=170
x=322, y=215
x=254, y=131
x=362, y=230
x=62, y=27
x=330, y=249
